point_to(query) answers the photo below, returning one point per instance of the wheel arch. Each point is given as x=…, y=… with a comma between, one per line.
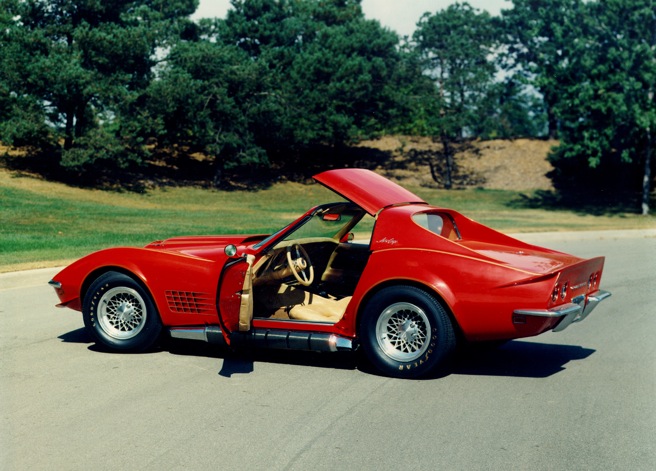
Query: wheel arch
x=98, y=272
x=413, y=283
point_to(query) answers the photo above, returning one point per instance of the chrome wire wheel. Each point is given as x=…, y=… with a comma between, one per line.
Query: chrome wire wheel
x=122, y=313
x=403, y=332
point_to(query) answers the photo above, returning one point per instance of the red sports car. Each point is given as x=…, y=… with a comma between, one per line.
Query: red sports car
x=383, y=271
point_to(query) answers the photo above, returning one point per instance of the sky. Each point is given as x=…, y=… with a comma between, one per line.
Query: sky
x=398, y=15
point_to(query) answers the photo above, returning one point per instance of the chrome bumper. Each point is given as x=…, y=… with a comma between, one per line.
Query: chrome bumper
x=55, y=284
x=576, y=311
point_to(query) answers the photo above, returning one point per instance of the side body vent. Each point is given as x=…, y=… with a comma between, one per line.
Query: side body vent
x=188, y=302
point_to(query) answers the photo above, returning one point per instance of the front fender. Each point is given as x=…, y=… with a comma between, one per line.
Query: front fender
x=159, y=272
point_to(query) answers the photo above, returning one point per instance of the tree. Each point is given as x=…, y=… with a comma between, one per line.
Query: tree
x=279, y=78
x=341, y=81
x=209, y=99
x=607, y=104
x=21, y=117
x=75, y=70
x=537, y=37
x=416, y=109
x=457, y=45
x=510, y=110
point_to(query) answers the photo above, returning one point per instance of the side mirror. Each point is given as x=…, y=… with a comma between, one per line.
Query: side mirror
x=230, y=250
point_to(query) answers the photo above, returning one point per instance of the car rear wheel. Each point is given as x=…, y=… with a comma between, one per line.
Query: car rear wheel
x=120, y=314
x=406, y=333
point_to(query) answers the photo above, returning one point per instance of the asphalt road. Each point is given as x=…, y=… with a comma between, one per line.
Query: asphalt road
x=582, y=399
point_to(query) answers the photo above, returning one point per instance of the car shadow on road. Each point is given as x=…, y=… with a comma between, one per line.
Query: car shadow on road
x=242, y=361
x=76, y=336
x=518, y=358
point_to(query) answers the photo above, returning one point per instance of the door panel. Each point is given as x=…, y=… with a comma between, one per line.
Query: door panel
x=230, y=291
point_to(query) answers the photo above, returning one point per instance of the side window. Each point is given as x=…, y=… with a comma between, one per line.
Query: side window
x=432, y=222
x=362, y=230
x=440, y=224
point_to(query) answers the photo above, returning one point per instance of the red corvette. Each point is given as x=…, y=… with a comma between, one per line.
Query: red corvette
x=384, y=271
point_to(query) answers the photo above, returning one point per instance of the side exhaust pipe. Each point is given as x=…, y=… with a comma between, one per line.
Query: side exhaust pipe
x=267, y=338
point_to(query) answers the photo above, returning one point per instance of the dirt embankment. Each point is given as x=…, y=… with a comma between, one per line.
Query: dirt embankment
x=519, y=164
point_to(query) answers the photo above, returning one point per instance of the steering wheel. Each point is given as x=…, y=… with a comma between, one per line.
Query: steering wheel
x=300, y=264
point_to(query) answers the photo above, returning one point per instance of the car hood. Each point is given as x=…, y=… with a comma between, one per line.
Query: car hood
x=370, y=191
x=202, y=246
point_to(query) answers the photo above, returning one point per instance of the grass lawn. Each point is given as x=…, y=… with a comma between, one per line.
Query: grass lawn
x=48, y=224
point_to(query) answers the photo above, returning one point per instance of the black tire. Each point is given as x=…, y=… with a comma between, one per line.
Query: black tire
x=120, y=314
x=406, y=333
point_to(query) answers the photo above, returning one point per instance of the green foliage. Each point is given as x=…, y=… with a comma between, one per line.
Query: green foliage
x=23, y=122
x=510, y=111
x=331, y=69
x=206, y=99
x=416, y=99
x=456, y=45
x=98, y=152
x=537, y=35
x=274, y=79
x=606, y=108
x=71, y=69
x=595, y=65
x=97, y=87
x=342, y=81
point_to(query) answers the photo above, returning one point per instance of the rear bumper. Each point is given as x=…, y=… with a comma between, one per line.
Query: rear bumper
x=576, y=311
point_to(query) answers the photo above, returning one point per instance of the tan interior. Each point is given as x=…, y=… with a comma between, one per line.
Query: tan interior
x=319, y=309
x=290, y=302
x=276, y=299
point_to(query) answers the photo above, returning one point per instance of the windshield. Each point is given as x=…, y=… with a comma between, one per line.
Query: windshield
x=262, y=243
x=333, y=221
x=324, y=224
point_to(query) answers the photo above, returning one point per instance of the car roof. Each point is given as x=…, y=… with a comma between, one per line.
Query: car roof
x=369, y=190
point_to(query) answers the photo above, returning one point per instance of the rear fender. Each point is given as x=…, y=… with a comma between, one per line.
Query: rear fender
x=383, y=269
x=468, y=288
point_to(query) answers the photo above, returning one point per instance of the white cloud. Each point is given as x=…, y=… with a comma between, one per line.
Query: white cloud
x=211, y=9
x=402, y=16
x=398, y=15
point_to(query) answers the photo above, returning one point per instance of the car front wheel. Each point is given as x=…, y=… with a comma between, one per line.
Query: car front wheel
x=406, y=333
x=120, y=314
